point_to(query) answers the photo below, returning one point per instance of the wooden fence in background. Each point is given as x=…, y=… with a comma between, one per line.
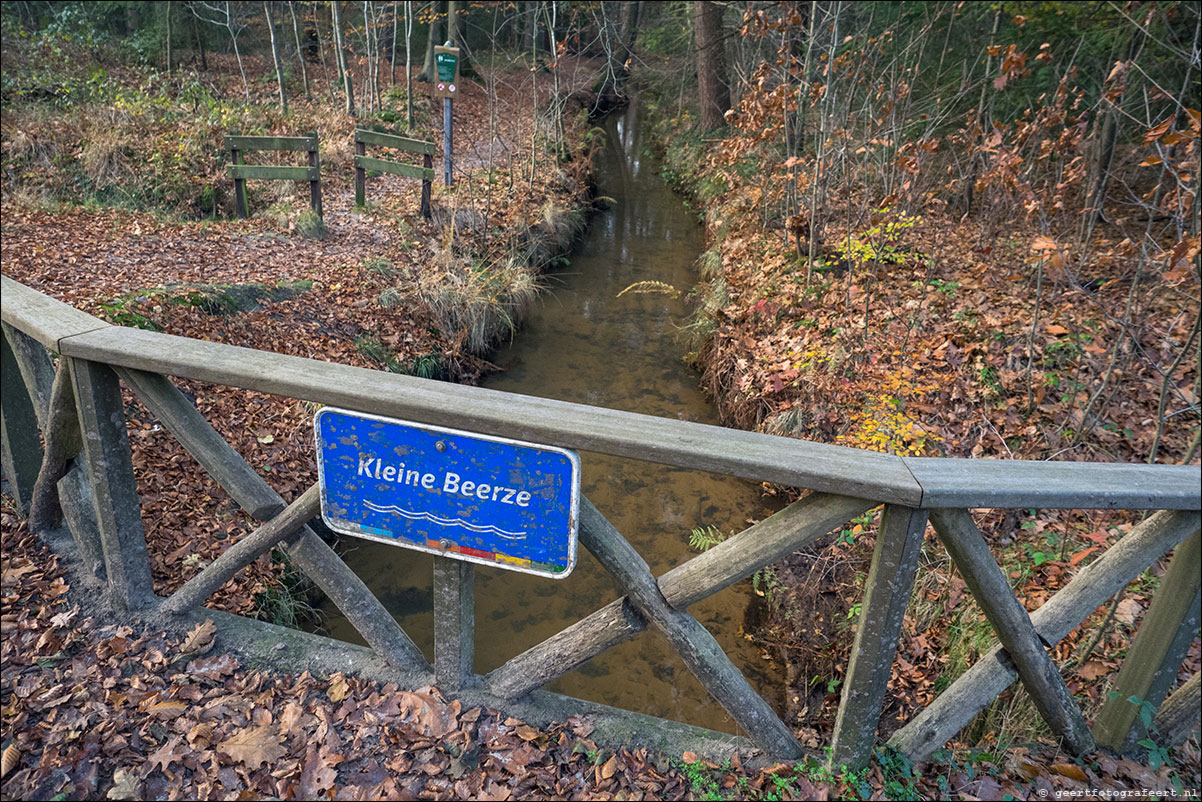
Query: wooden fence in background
x=364, y=163
x=86, y=457
x=239, y=145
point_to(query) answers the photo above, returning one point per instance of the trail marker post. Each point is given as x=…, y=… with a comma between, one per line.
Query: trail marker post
x=446, y=86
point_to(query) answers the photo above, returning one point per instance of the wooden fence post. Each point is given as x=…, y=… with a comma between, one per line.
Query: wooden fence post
x=239, y=184
x=21, y=450
x=1013, y=626
x=1160, y=646
x=315, y=182
x=887, y=592
x=454, y=623
x=114, y=489
x=427, y=163
x=360, y=174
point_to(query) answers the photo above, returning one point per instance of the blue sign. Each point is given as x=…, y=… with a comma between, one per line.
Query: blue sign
x=482, y=499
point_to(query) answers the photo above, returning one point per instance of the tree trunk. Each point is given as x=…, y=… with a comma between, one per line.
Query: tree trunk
x=168, y=7
x=408, y=65
x=712, y=91
x=340, y=57
x=275, y=55
x=433, y=39
x=200, y=45
x=300, y=53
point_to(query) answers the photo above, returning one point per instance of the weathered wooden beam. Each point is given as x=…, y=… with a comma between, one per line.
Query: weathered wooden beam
x=293, y=143
x=215, y=455
x=394, y=141
x=1022, y=484
x=74, y=489
x=360, y=174
x=454, y=623
x=748, y=455
x=356, y=601
x=794, y=527
x=114, y=488
x=1090, y=588
x=33, y=361
x=890, y=581
x=1164, y=637
x=271, y=172
x=1014, y=629
x=693, y=642
x=314, y=160
x=284, y=526
x=63, y=444
x=1177, y=718
x=20, y=449
x=395, y=168
x=308, y=551
x=45, y=319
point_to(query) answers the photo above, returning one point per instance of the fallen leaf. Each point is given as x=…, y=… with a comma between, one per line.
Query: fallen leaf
x=338, y=688
x=200, y=639
x=1070, y=770
x=9, y=758
x=254, y=747
x=125, y=785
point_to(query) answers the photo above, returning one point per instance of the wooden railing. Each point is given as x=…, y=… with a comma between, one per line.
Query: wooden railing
x=85, y=468
x=363, y=163
x=239, y=145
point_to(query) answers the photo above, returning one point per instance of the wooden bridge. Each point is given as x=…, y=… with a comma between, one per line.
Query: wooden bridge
x=85, y=466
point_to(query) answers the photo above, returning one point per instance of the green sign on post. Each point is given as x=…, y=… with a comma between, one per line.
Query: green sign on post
x=446, y=68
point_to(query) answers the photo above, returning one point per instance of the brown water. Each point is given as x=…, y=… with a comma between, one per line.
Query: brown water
x=587, y=345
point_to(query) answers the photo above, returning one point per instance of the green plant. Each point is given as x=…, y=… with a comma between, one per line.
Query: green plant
x=705, y=538
x=379, y=264
x=309, y=224
x=285, y=603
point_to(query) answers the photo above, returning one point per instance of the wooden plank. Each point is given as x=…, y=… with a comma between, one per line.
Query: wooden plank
x=454, y=623
x=1090, y=588
x=890, y=581
x=1177, y=718
x=395, y=168
x=794, y=527
x=20, y=449
x=360, y=175
x=1161, y=643
x=63, y=443
x=42, y=317
x=293, y=143
x=394, y=141
x=271, y=172
x=1019, y=484
x=114, y=489
x=33, y=363
x=749, y=455
x=1014, y=629
x=738, y=557
x=284, y=526
x=75, y=489
x=215, y=455
x=308, y=551
x=315, y=180
x=693, y=642
x=353, y=598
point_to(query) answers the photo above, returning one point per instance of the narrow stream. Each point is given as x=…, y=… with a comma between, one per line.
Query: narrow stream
x=587, y=345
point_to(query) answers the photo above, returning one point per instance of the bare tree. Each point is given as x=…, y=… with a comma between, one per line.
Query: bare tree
x=340, y=56
x=300, y=53
x=222, y=15
x=275, y=55
x=433, y=39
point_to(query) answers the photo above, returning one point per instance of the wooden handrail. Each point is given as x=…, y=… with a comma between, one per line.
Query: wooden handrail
x=913, y=482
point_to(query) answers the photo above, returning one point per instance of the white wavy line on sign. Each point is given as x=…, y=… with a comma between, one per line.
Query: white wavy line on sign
x=447, y=522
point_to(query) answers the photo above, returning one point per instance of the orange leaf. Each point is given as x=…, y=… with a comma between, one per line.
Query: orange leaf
x=1081, y=555
x=1056, y=329
x=1151, y=161
x=1071, y=771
